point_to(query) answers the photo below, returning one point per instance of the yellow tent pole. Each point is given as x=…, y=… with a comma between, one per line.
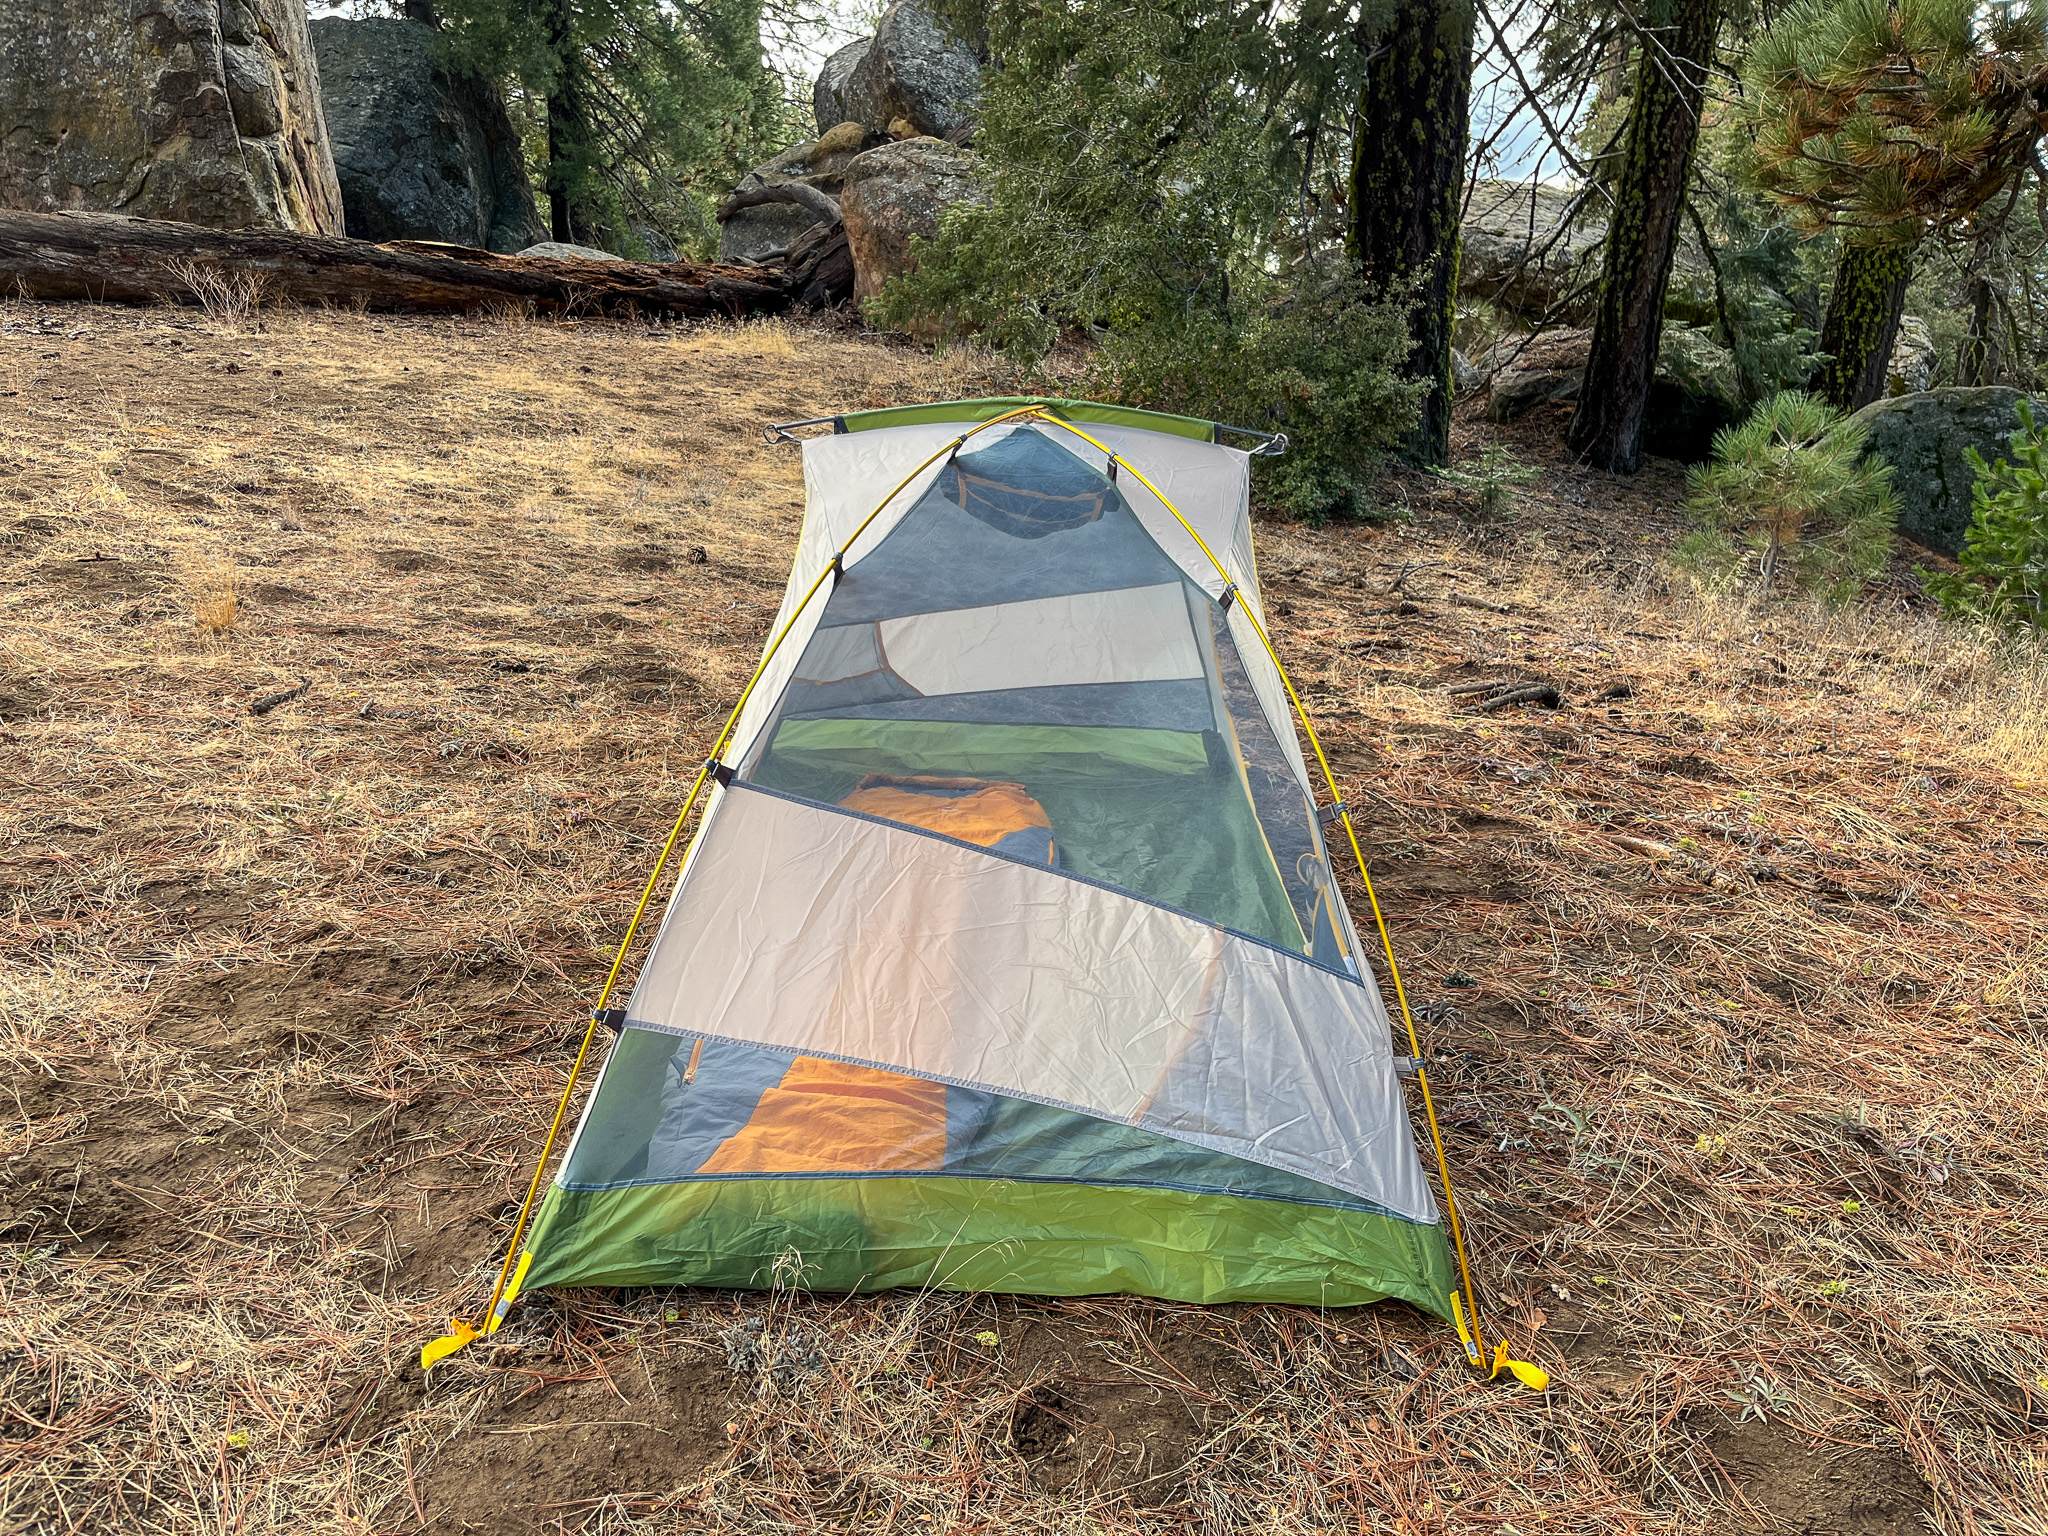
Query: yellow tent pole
x=505, y=1291
x=1474, y=1342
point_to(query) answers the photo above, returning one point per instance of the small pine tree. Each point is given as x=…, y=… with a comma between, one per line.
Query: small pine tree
x=2005, y=551
x=1791, y=486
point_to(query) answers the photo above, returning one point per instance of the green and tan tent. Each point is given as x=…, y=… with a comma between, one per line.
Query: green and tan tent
x=1007, y=955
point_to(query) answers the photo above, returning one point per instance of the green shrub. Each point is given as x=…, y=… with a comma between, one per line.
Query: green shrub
x=1791, y=487
x=1323, y=367
x=2005, y=551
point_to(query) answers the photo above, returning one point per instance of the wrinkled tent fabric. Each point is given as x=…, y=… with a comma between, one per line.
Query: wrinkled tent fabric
x=1010, y=957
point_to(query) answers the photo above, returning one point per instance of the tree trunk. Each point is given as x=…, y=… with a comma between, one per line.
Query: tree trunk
x=106, y=257
x=1862, y=324
x=1978, y=363
x=568, y=134
x=1642, y=233
x=1406, y=176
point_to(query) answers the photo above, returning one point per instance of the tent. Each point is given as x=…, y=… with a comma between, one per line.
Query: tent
x=1007, y=953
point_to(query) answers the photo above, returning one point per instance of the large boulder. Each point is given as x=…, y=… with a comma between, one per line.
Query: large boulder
x=915, y=71
x=754, y=233
x=893, y=195
x=1924, y=436
x=829, y=103
x=1534, y=252
x=1694, y=391
x=423, y=152
x=206, y=111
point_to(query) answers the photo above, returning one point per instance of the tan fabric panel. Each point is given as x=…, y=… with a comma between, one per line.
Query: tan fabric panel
x=1137, y=635
x=807, y=929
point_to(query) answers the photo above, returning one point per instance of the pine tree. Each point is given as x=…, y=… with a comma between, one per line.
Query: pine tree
x=651, y=109
x=1885, y=121
x=1791, y=486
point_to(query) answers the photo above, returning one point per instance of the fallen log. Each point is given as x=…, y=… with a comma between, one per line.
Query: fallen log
x=113, y=259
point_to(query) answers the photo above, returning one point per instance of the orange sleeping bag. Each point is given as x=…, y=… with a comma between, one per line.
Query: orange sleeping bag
x=986, y=812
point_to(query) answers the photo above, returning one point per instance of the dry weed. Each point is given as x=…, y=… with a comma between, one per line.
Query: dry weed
x=231, y=300
x=212, y=588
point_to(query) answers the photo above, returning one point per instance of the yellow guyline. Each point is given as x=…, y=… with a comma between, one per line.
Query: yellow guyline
x=506, y=1290
x=1474, y=1342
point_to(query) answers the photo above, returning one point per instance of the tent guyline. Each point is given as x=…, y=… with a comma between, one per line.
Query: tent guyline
x=1014, y=488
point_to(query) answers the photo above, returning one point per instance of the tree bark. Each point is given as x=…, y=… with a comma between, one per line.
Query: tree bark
x=1406, y=175
x=568, y=134
x=1978, y=363
x=106, y=257
x=1862, y=324
x=1642, y=232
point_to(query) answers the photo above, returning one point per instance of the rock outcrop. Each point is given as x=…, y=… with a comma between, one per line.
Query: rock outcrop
x=893, y=195
x=1693, y=394
x=913, y=70
x=206, y=111
x=829, y=103
x=423, y=152
x=1923, y=435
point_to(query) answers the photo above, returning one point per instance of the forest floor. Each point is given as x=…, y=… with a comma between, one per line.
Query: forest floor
x=351, y=670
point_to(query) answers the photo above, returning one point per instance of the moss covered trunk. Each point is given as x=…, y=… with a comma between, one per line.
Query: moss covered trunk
x=1642, y=232
x=1406, y=176
x=1863, y=322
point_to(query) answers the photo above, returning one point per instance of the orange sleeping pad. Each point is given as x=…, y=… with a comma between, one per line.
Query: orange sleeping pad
x=832, y=1117
x=986, y=812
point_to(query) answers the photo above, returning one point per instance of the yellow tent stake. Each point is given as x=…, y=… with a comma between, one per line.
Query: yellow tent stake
x=506, y=1288
x=1474, y=1341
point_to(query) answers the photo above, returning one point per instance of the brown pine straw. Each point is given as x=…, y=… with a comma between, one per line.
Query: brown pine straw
x=1748, y=1129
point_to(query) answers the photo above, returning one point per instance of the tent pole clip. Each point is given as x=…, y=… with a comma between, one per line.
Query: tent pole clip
x=1407, y=1066
x=1229, y=596
x=838, y=567
x=722, y=772
x=613, y=1019
x=1330, y=814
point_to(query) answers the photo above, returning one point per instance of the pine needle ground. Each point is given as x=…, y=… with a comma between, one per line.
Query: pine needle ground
x=352, y=670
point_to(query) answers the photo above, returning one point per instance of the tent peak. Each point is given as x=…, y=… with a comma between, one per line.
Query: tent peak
x=985, y=409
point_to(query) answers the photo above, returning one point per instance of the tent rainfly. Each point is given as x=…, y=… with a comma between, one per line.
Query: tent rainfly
x=1007, y=954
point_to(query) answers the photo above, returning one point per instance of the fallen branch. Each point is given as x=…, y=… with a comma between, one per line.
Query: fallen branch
x=1479, y=602
x=112, y=259
x=802, y=193
x=268, y=702
x=1535, y=693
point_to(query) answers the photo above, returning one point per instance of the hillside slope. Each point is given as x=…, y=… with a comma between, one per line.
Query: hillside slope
x=1735, y=970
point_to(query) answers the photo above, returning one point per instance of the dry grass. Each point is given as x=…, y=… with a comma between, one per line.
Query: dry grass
x=1735, y=983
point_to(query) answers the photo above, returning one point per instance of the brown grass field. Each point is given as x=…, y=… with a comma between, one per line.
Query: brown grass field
x=1736, y=983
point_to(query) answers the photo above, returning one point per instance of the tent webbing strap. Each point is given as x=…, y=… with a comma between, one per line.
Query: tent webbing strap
x=1467, y=1316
